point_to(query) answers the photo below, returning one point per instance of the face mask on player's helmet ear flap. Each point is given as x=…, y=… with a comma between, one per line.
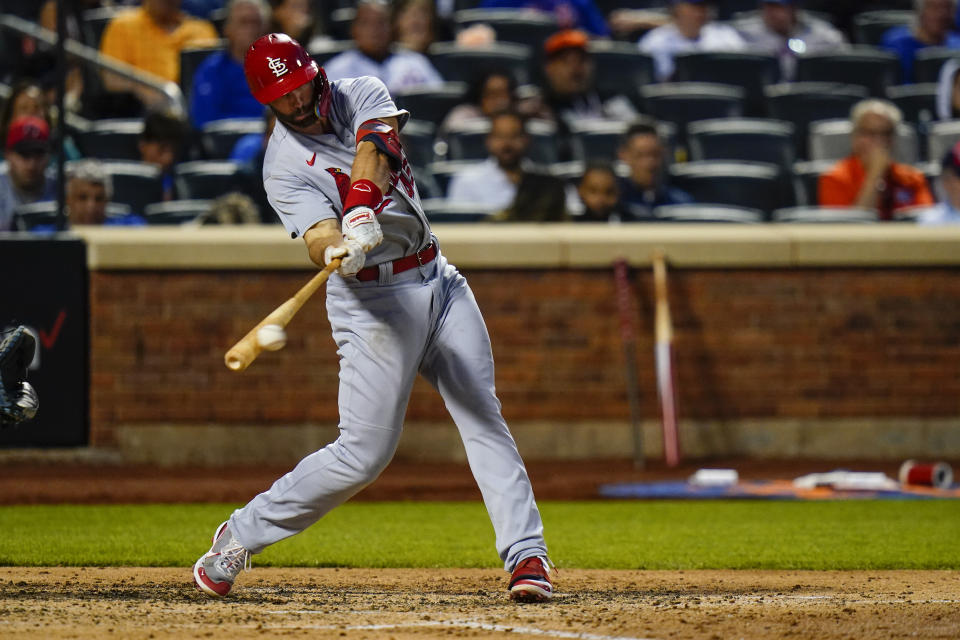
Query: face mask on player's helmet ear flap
x=276, y=64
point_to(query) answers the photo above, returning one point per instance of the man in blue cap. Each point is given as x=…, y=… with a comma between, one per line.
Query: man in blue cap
x=691, y=28
x=781, y=29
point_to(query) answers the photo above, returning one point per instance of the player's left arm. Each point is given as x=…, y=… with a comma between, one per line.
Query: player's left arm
x=378, y=153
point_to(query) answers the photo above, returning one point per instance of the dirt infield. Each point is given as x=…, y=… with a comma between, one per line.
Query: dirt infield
x=593, y=605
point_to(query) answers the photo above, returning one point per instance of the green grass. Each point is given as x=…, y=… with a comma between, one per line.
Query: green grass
x=614, y=535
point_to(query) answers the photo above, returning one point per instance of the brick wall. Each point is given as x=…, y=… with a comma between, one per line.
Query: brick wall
x=766, y=343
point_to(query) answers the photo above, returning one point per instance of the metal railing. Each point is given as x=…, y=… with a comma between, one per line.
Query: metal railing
x=170, y=91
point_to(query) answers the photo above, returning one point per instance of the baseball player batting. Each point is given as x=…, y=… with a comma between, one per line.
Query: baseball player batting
x=337, y=176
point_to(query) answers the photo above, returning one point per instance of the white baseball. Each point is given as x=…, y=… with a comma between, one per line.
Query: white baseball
x=271, y=337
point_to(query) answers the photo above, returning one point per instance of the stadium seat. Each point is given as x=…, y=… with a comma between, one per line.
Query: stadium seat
x=927, y=62
x=431, y=103
x=804, y=102
x=418, y=139
x=113, y=139
x=834, y=215
x=619, y=68
x=441, y=210
x=684, y=102
x=918, y=102
x=219, y=136
x=941, y=137
x=205, y=179
x=749, y=71
x=511, y=25
x=869, y=67
x=443, y=170
x=869, y=26
x=135, y=184
x=707, y=213
x=462, y=64
x=190, y=59
x=830, y=140
x=806, y=178
x=176, y=211
x=27, y=217
x=323, y=50
x=467, y=141
x=597, y=139
x=754, y=185
x=742, y=139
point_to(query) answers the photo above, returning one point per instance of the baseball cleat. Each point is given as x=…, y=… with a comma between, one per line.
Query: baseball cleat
x=530, y=581
x=215, y=571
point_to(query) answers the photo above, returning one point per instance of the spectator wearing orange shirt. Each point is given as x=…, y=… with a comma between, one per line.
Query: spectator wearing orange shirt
x=150, y=37
x=870, y=178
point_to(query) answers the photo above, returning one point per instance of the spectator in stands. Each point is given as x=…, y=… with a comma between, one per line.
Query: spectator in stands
x=415, y=24
x=870, y=178
x=150, y=37
x=569, y=94
x=505, y=183
x=934, y=27
x=570, y=14
x=89, y=189
x=161, y=144
x=490, y=92
x=645, y=188
x=780, y=29
x=691, y=28
x=598, y=193
x=948, y=91
x=294, y=18
x=398, y=69
x=948, y=211
x=26, y=99
x=25, y=177
x=219, y=87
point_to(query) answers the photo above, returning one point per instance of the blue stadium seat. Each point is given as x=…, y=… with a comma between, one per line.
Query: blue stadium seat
x=754, y=185
x=824, y=215
x=685, y=102
x=703, y=213
x=742, y=139
x=804, y=102
x=136, y=184
x=521, y=26
x=927, y=62
x=218, y=137
x=431, y=104
x=112, y=139
x=869, y=67
x=749, y=71
x=176, y=211
x=869, y=26
x=205, y=179
x=462, y=64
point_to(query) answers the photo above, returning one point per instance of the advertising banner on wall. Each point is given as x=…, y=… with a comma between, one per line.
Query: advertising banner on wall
x=44, y=287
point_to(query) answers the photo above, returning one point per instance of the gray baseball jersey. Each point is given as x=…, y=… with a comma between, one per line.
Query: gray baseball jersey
x=422, y=320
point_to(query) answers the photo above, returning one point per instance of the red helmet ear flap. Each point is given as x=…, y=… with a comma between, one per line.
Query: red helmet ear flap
x=275, y=65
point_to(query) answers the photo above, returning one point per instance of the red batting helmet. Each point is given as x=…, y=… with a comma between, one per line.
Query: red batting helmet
x=275, y=65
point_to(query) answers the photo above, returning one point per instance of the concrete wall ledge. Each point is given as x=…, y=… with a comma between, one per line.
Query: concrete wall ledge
x=545, y=246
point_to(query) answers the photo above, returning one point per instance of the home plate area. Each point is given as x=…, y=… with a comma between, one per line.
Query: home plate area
x=65, y=602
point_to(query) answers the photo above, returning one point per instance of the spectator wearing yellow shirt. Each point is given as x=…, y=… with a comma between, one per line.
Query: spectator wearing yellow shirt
x=150, y=37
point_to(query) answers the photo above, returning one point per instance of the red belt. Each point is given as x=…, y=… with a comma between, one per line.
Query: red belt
x=400, y=265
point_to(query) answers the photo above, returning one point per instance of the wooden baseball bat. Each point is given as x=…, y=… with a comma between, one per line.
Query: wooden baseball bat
x=666, y=389
x=627, y=332
x=247, y=348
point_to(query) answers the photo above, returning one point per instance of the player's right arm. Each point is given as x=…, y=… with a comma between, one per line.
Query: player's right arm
x=325, y=242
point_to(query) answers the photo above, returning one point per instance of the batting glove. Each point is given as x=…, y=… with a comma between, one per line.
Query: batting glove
x=351, y=257
x=360, y=226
